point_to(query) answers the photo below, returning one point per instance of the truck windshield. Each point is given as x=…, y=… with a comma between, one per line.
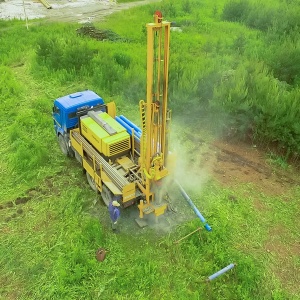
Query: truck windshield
x=72, y=115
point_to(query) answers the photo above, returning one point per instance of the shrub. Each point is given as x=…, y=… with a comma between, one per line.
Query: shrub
x=59, y=55
x=261, y=17
x=122, y=59
x=168, y=8
x=235, y=11
x=186, y=6
x=286, y=65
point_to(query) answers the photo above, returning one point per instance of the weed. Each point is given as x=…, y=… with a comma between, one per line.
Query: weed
x=277, y=160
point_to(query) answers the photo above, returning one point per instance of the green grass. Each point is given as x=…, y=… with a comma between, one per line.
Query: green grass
x=48, y=244
x=126, y=1
x=48, y=251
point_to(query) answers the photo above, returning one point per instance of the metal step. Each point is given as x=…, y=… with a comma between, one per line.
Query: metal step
x=148, y=210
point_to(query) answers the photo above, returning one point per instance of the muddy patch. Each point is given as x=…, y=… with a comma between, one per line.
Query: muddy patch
x=177, y=213
x=14, y=9
x=14, y=208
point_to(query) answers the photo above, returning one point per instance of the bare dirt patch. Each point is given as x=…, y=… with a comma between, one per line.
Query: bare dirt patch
x=233, y=163
x=12, y=209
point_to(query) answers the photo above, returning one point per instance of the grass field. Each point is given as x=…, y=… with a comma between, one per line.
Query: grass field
x=51, y=223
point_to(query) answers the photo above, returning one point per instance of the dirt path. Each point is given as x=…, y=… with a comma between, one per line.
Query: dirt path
x=233, y=163
x=79, y=11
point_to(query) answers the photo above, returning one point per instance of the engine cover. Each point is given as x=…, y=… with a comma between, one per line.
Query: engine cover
x=105, y=134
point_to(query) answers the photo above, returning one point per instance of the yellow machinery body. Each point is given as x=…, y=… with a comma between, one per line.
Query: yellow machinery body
x=155, y=117
x=106, y=135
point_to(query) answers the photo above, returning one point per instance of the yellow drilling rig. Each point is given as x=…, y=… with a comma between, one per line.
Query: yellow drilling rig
x=122, y=161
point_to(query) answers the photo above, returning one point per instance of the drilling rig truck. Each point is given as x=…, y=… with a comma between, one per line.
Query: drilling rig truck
x=122, y=161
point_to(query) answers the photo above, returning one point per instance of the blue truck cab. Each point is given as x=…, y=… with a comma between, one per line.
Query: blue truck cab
x=65, y=114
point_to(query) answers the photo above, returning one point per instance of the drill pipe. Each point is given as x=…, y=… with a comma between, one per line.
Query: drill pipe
x=188, y=199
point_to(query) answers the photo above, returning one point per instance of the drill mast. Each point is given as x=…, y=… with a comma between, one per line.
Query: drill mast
x=154, y=113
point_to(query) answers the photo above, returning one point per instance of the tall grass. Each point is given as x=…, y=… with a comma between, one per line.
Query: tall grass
x=209, y=72
x=217, y=68
x=51, y=250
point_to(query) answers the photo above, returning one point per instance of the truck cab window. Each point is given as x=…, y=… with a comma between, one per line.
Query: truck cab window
x=72, y=115
x=56, y=110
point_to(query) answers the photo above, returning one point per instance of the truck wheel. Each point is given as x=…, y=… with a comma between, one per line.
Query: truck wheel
x=107, y=195
x=78, y=157
x=63, y=145
x=65, y=148
x=91, y=182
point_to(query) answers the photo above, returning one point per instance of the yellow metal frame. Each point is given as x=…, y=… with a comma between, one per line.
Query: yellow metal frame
x=154, y=113
x=111, y=109
x=153, y=157
x=158, y=40
x=97, y=173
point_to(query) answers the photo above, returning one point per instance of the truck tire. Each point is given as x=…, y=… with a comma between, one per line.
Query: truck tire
x=64, y=146
x=107, y=195
x=78, y=157
x=91, y=182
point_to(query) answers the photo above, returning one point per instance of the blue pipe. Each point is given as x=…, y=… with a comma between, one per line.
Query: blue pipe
x=123, y=124
x=127, y=127
x=199, y=215
x=215, y=275
x=138, y=134
x=137, y=129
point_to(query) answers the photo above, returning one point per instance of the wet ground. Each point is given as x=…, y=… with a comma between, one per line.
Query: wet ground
x=79, y=11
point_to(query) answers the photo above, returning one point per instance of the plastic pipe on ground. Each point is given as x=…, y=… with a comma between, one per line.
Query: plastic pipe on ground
x=46, y=4
x=199, y=215
x=215, y=275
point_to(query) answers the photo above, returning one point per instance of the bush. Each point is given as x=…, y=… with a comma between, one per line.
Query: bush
x=235, y=11
x=169, y=9
x=59, y=55
x=261, y=17
x=286, y=65
x=122, y=59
